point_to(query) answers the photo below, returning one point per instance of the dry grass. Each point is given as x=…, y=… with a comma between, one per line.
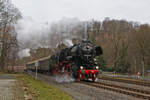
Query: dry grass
x=42, y=90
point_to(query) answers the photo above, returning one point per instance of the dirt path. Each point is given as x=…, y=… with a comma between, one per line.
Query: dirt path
x=9, y=88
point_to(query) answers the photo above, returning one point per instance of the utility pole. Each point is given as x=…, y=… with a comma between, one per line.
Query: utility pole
x=143, y=68
x=36, y=66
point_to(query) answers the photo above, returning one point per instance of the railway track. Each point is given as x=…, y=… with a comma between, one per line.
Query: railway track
x=126, y=80
x=143, y=94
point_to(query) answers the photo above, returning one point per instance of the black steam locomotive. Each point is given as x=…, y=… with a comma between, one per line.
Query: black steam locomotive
x=78, y=61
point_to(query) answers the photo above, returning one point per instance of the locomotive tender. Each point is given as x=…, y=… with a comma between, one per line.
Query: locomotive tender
x=79, y=61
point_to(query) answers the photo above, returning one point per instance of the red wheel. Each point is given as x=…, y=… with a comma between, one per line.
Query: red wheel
x=93, y=78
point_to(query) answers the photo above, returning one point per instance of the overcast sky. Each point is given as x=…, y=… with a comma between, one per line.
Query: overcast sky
x=53, y=10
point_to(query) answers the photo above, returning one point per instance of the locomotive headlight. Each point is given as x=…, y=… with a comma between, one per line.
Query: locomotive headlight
x=95, y=59
x=81, y=67
x=88, y=47
x=97, y=67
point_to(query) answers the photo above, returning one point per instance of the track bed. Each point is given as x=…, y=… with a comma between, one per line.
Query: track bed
x=85, y=92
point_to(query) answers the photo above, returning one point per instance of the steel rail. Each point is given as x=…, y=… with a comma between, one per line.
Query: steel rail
x=121, y=89
x=125, y=80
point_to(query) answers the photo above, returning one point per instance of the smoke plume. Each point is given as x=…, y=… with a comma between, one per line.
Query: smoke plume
x=32, y=34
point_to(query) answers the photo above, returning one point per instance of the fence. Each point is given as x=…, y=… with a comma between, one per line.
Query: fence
x=16, y=69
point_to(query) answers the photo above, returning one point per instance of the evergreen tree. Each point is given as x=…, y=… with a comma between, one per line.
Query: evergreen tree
x=102, y=63
x=123, y=64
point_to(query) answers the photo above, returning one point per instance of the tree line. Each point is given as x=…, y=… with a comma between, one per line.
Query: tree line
x=126, y=45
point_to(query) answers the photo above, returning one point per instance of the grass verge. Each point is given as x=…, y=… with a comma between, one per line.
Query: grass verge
x=42, y=90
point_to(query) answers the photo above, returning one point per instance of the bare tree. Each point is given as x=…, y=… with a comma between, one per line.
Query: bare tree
x=8, y=17
x=142, y=46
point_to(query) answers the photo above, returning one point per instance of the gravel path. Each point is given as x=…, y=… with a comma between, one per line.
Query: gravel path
x=6, y=92
x=9, y=88
x=84, y=92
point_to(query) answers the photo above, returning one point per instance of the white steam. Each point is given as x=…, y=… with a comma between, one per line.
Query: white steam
x=24, y=53
x=32, y=34
x=64, y=79
x=68, y=42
